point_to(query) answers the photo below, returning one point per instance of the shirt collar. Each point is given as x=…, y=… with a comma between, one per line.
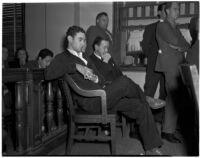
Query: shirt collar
x=79, y=55
x=97, y=55
x=161, y=20
x=73, y=52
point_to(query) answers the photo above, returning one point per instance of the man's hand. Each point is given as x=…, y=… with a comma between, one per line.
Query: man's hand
x=106, y=57
x=176, y=47
x=87, y=73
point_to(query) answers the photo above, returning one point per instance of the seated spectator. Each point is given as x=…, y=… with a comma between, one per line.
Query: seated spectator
x=193, y=53
x=118, y=96
x=43, y=60
x=21, y=58
x=110, y=71
x=5, y=57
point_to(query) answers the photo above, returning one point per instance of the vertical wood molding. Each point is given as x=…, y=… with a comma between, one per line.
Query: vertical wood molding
x=45, y=25
x=77, y=13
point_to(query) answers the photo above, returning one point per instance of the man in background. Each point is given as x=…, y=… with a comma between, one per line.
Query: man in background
x=100, y=29
x=150, y=49
x=172, y=46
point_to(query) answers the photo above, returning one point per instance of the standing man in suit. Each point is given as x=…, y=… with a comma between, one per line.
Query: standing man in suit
x=85, y=74
x=100, y=29
x=150, y=49
x=172, y=46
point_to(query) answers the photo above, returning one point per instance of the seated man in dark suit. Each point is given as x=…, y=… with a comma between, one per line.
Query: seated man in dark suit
x=85, y=74
x=110, y=71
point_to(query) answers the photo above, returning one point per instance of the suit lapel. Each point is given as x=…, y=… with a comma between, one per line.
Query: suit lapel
x=74, y=58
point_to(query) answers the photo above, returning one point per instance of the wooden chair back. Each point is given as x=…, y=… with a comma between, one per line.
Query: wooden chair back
x=190, y=79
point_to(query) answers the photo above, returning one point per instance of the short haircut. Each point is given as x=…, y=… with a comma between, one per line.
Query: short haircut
x=100, y=15
x=44, y=53
x=72, y=31
x=161, y=6
x=98, y=40
x=169, y=4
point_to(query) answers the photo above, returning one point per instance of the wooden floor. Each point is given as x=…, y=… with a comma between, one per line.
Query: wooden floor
x=125, y=146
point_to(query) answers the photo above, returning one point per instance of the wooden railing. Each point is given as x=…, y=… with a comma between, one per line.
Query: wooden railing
x=38, y=107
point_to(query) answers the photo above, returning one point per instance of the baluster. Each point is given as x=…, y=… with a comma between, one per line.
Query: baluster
x=59, y=108
x=19, y=114
x=49, y=107
x=41, y=99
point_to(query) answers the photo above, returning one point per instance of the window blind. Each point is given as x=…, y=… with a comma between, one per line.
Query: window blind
x=13, y=26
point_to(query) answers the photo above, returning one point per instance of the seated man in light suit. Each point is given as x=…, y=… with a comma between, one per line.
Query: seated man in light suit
x=85, y=74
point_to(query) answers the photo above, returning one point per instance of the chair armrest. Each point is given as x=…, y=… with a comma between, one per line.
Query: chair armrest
x=90, y=93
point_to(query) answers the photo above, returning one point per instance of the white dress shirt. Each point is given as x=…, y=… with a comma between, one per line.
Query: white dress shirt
x=79, y=55
x=97, y=56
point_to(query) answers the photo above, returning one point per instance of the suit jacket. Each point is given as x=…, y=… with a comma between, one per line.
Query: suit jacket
x=193, y=54
x=32, y=64
x=169, y=59
x=149, y=44
x=92, y=33
x=65, y=63
x=109, y=70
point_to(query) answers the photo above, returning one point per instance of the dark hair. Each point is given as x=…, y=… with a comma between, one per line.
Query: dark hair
x=169, y=4
x=72, y=31
x=100, y=15
x=98, y=40
x=44, y=53
x=17, y=51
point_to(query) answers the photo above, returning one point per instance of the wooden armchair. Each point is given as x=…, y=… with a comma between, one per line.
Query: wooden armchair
x=190, y=79
x=87, y=122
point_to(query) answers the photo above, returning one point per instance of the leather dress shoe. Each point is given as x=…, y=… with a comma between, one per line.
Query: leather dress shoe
x=170, y=137
x=134, y=135
x=155, y=103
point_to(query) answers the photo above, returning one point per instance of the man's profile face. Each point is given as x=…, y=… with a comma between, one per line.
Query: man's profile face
x=162, y=13
x=102, y=48
x=103, y=22
x=173, y=11
x=78, y=42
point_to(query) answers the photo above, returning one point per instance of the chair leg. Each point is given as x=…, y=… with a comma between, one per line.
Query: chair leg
x=71, y=130
x=123, y=125
x=113, y=136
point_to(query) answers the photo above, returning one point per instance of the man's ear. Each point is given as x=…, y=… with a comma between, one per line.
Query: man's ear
x=69, y=38
x=95, y=47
